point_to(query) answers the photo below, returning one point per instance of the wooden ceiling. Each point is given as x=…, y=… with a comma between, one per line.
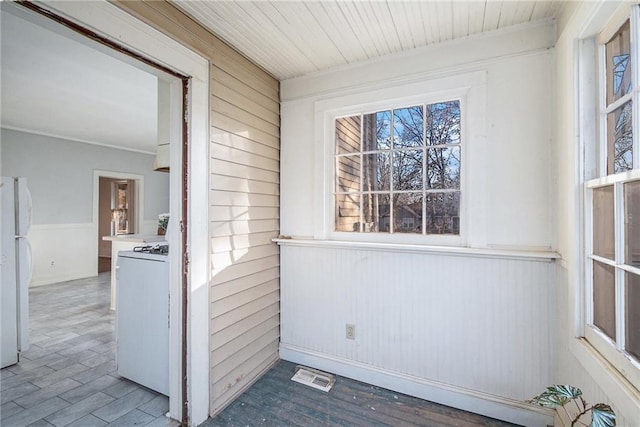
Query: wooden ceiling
x=293, y=38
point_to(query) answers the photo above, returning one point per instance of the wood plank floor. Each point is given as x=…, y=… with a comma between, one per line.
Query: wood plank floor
x=275, y=400
x=68, y=377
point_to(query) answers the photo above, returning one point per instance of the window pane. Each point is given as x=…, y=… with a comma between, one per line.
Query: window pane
x=632, y=310
x=407, y=127
x=407, y=170
x=632, y=223
x=382, y=164
x=376, y=213
x=348, y=135
x=347, y=212
x=369, y=132
x=604, y=308
x=376, y=172
x=619, y=140
x=407, y=213
x=443, y=168
x=348, y=173
x=442, y=213
x=443, y=123
x=603, y=222
x=376, y=131
x=619, y=64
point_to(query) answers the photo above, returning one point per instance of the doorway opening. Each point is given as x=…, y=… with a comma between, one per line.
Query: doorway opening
x=118, y=209
x=179, y=205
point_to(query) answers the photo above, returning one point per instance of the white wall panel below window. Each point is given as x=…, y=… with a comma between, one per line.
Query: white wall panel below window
x=485, y=325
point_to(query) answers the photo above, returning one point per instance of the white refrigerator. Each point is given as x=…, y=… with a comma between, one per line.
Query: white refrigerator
x=15, y=268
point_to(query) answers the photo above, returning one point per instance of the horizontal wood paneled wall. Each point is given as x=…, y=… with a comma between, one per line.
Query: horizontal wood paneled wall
x=244, y=204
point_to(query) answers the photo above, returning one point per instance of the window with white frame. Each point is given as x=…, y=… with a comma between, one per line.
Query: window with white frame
x=398, y=170
x=612, y=201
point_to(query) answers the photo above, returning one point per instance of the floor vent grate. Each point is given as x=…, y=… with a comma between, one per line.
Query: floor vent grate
x=312, y=378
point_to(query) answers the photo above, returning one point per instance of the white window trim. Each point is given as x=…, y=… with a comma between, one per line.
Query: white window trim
x=612, y=351
x=469, y=88
x=590, y=80
x=616, y=387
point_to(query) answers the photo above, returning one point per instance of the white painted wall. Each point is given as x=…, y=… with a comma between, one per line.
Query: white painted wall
x=459, y=330
x=60, y=177
x=510, y=176
x=476, y=333
x=578, y=363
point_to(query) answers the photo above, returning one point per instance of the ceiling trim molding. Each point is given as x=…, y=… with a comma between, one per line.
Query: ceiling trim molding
x=80, y=141
x=444, y=59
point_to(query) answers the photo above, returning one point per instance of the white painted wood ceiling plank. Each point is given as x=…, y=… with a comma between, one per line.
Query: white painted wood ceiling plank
x=476, y=16
x=422, y=12
x=235, y=25
x=445, y=20
x=283, y=30
x=492, y=15
x=461, y=18
x=507, y=14
x=332, y=20
x=363, y=29
x=381, y=26
x=541, y=10
x=415, y=24
x=231, y=24
x=312, y=37
x=271, y=45
x=430, y=19
x=402, y=25
x=293, y=38
x=556, y=8
x=515, y=12
x=524, y=12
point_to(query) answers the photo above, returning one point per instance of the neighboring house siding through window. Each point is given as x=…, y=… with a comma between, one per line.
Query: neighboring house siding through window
x=244, y=205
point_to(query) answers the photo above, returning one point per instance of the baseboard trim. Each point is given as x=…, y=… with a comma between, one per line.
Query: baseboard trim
x=43, y=281
x=485, y=404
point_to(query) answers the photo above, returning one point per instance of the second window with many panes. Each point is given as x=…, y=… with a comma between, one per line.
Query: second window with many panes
x=398, y=170
x=613, y=208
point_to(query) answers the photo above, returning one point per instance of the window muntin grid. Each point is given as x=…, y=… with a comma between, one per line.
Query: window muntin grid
x=399, y=170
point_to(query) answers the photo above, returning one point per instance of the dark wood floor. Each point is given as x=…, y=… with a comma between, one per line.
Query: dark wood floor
x=275, y=400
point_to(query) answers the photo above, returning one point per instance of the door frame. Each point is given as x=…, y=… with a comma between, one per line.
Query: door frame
x=139, y=210
x=189, y=364
x=138, y=196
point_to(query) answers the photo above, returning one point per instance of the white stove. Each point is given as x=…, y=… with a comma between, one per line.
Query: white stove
x=142, y=317
x=159, y=249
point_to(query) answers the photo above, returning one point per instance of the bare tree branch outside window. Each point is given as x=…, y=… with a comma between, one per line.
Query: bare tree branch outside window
x=409, y=163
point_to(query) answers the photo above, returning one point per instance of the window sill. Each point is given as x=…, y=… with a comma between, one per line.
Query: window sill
x=622, y=394
x=421, y=249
